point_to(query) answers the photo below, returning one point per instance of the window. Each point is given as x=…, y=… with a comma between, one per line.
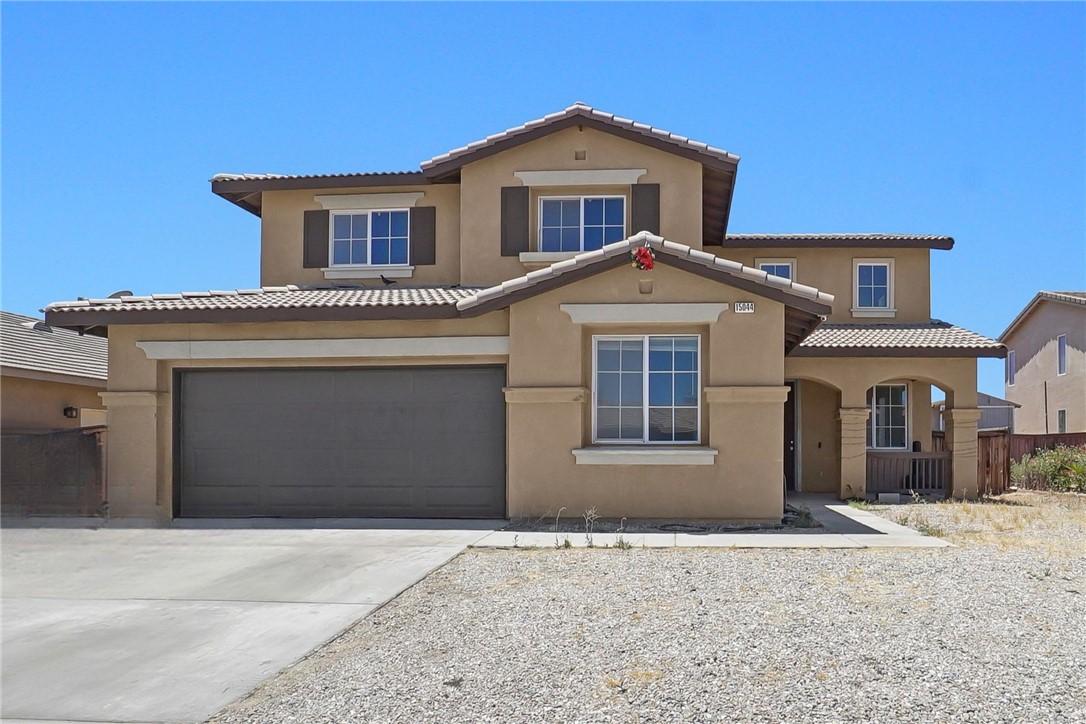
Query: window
x=662, y=371
x=777, y=267
x=1061, y=354
x=888, y=425
x=581, y=223
x=1061, y=421
x=369, y=238
x=1010, y=368
x=872, y=286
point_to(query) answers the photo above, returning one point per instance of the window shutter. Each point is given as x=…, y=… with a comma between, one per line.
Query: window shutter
x=423, y=235
x=315, y=240
x=645, y=208
x=514, y=220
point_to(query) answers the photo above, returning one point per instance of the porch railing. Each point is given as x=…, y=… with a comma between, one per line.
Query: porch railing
x=926, y=473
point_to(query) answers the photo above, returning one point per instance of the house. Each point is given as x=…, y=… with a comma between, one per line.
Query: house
x=1046, y=364
x=50, y=377
x=487, y=336
x=995, y=413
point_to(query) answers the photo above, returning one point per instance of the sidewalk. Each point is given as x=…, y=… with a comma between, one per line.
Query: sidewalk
x=843, y=527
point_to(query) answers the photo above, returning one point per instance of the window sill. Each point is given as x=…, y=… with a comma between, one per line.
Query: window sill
x=873, y=313
x=390, y=271
x=539, y=259
x=645, y=455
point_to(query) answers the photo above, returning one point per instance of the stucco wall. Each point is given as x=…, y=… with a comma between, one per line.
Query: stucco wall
x=481, y=183
x=548, y=350
x=1035, y=348
x=831, y=270
x=283, y=214
x=30, y=404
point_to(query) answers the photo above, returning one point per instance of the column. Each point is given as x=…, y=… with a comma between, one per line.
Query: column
x=132, y=454
x=853, y=421
x=961, y=440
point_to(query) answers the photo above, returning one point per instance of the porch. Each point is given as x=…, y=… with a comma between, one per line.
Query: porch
x=916, y=473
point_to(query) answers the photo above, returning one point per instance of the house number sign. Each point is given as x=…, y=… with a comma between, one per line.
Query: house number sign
x=744, y=307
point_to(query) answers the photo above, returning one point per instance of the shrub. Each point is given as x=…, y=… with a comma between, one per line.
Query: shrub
x=1062, y=468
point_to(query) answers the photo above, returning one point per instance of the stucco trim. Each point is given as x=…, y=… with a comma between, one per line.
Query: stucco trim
x=622, y=455
x=585, y=177
x=368, y=272
x=545, y=394
x=326, y=348
x=758, y=395
x=364, y=202
x=962, y=416
x=130, y=398
x=644, y=313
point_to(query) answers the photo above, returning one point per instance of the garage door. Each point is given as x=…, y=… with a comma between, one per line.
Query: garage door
x=389, y=442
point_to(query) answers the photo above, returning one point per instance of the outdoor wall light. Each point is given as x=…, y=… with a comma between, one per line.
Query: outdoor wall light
x=71, y=412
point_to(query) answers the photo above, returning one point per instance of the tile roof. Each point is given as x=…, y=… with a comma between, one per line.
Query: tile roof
x=1042, y=296
x=583, y=110
x=227, y=177
x=284, y=297
x=28, y=343
x=934, y=241
x=901, y=339
x=798, y=292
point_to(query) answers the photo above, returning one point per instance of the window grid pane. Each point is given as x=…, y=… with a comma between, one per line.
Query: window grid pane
x=581, y=224
x=873, y=286
x=619, y=405
x=778, y=270
x=389, y=243
x=888, y=427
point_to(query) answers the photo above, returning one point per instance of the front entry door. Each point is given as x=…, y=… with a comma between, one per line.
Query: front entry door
x=790, y=438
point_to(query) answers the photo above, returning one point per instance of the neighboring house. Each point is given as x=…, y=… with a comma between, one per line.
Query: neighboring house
x=1046, y=364
x=474, y=339
x=995, y=413
x=49, y=377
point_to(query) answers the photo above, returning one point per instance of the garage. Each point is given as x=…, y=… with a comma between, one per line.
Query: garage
x=422, y=442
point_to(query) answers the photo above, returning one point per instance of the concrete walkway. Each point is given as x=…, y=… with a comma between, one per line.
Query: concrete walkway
x=843, y=527
x=170, y=625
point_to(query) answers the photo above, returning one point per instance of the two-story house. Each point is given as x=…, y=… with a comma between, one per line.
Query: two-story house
x=1046, y=364
x=554, y=316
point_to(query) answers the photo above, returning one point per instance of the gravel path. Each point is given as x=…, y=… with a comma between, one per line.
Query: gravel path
x=980, y=633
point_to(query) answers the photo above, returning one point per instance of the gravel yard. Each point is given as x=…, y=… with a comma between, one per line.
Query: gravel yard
x=991, y=631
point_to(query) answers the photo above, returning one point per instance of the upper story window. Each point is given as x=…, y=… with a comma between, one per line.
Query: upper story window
x=1010, y=368
x=1061, y=354
x=873, y=288
x=369, y=238
x=888, y=426
x=580, y=223
x=778, y=267
x=646, y=389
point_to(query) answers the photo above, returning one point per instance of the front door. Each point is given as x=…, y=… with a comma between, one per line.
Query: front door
x=790, y=438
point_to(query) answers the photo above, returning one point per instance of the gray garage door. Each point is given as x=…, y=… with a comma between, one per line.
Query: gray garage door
x=389, y=442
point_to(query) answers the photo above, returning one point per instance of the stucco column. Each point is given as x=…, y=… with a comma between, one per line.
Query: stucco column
x=131, y=455
x=853, y=421
x=961, y=433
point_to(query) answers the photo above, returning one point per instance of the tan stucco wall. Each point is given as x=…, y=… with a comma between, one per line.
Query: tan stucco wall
x=283, y=214
x=481, y=183
x=1034, y=345
x=548, y=350
x=831, y=270
x=30, y=404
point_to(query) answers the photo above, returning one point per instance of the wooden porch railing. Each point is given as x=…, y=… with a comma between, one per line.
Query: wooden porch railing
x=926, y=473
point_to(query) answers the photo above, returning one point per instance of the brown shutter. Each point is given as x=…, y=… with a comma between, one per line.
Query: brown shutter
x=514, y=220
x=645, y=208
x=423, y=235
x=315, y=240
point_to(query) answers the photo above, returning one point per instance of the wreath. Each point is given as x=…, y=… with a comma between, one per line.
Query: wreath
x=644, y=258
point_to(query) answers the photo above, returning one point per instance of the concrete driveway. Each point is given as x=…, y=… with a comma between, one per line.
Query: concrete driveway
x=173, y=624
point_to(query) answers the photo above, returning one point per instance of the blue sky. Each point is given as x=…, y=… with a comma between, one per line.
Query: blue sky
x=959, y=119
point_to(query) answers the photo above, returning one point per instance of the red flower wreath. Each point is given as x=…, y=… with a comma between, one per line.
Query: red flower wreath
x=644, y=258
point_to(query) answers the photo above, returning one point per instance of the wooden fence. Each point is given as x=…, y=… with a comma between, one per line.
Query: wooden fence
x=904, y=472
x=996, y=450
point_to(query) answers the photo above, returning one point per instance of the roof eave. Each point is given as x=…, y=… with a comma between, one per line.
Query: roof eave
x=82, y=320
x=941, y=352
x=944, y=244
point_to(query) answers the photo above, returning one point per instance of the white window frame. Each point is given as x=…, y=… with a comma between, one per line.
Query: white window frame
x=871, y=420
x=1010, y=368
x=644, y=389
x=888, y=311
x=539, y=218
x=369, y=239
x=790, y=263
x=1061, y=355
